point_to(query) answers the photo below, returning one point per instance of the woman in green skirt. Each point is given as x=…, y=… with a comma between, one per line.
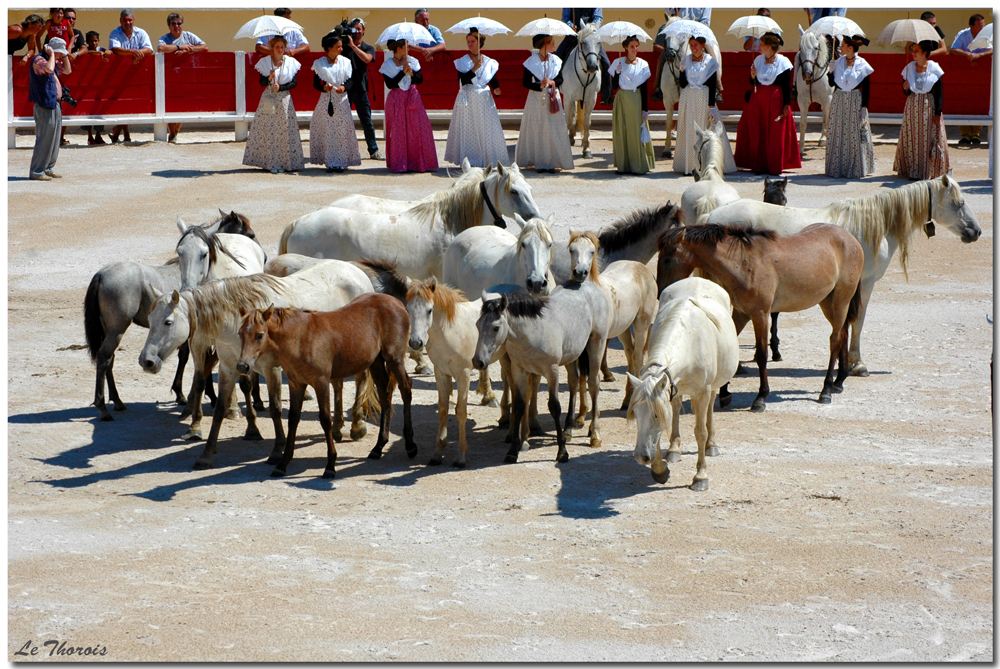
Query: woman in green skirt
x=633, y=147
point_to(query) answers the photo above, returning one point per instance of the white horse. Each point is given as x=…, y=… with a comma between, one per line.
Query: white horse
x=813, y=62
x=710, y=189
x=630, y=289
x=416, y=238
x=378, y=205
x=211, y=315
x=882, y=221
x=693, y=351
x=485, y=256
x=567, y=328
x=581, y=83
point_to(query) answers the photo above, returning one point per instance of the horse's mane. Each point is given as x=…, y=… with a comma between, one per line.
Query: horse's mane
x=518, y=305
x=460, y=207
x=534, y=225
x=889, y=211
x=441, y=295
x=636, y=226
x=711, y=157
x=213, y=242
x=713, y=233
x=586, y=32
x=218, y=303
x=385, y=277
x=595, y=272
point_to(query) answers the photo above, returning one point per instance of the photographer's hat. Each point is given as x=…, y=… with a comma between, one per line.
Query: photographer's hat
x=58, y=45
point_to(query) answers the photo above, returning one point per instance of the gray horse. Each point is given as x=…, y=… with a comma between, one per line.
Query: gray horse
x=121, y=294
x=567, y=328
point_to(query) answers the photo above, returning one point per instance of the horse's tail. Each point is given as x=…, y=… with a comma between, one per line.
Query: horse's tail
x=369, y=405
x=854, y=307
x=92, y=325
x=285, y=234
x=583, y=362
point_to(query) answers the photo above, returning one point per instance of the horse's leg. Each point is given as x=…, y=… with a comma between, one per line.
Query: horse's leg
x=519, y=386
x=211, y=360
x=775, y=353
x=534, y=427
x=485, y=389
x=272, y=377
x=323, y=399
x=843, y=370
x=803, y=121
x=380, y=377
x=630, y=362
x=462, y=415
x=674, y=450
x=358, y=427
x=396, y=365
x=740, y=320
x=587, y=111
x=296, y=396
x=105, y=363
x=552, y=380
x=700, y=403
x=227, y=383
x=183, y=353
x=596, y=346
x=258, y=403
x=826, y=121
x=571, y=112
x=505, y=395
x=575, y=383
x=580, y=387
x=252, y=433
x=858, y=367
x=759, y=319
x=711, y=450
x=443, y=382
x=606, y=374
x=824, y=396
x=423, y=365
x=337, y=418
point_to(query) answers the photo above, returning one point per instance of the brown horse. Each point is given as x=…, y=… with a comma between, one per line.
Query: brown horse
x=764, y=273
x=317, y=347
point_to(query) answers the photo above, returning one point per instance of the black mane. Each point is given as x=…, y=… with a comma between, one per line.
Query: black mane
x=519, y=305
x=713, y=233
x=636, y=226
x=385, y=277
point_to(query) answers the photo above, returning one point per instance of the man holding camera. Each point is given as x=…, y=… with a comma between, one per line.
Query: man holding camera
x=361, y=54
x=45, y=90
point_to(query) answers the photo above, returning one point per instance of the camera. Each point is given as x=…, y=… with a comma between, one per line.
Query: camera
x=66, y=98
x=346, y=29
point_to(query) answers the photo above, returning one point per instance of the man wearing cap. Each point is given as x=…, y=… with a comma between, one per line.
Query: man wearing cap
x=44, y=90
x=361, y=55
x=297, y=43
x=428, y=49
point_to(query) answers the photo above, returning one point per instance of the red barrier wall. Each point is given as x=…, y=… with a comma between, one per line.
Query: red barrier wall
x=205, y=82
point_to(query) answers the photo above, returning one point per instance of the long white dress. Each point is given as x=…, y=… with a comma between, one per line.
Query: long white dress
x=274, y=141
x=475, y=131
x=543, y=139
x=693, y=108
x=332, y=140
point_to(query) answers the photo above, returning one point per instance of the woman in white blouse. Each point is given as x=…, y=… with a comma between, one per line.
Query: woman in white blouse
x=697, y=107
x=475, y=131
x=543, y=140
x=409, y=141
x=332, y=141
x=274, y=141
x=850, y=153
x=633, y=148
x=922, y=151
x=766, y=141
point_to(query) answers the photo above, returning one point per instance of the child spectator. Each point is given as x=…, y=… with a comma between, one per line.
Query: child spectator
x=93, y=39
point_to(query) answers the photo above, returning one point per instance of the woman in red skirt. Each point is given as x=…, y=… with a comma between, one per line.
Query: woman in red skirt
x=765, y=136
x=409, y=141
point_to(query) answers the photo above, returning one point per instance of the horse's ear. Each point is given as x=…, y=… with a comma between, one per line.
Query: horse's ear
x=781, y=184
x=176, y=297
x=582, y=23
x=633, y=381
x=485, y=296
x=514, y=168
x=181, y=225
x=767, y=182
x=156, y=292
x=503, y=302
x=945, y=178
x=267, y=313
x=501, y=170
x=431, y=283
x=801, y=31
x=550, y=219
x=520, y=221
x=466, y=165
x=696, y=173
x=698, y=131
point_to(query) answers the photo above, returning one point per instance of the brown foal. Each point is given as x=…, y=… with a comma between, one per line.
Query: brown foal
x=317, y=347
x=764, y=272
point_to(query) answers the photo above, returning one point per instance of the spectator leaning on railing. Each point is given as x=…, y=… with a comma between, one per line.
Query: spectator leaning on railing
x=58, y=26
x=93, y=39
x=23, y=34
x=970, y=133
x=178, y=40
x=128, y=40
x=44, y=90
x=79, y=43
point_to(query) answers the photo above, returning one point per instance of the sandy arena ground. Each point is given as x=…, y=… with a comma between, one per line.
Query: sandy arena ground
x=856, y=531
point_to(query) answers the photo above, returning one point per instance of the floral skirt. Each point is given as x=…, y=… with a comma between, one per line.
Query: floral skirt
x=409, y=141
x=632, y=155
x=274, y=140
x=475, y=131
x=332, y=141
x=922, y=151
x=850, y=153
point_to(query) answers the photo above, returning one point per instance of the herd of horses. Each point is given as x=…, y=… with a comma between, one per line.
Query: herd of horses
x=364, y=282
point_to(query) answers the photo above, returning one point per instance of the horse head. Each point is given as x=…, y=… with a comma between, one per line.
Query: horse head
x=253, y=337
x=774, y=191
x=493, y=328
x=589, y=46
x=672, y=43
x=169, y=328
x=420, y=307
x=651, y=408
x=811, y=53
x=510, y=192
x=950, y=209
x=583, y=255
x=196, y=252
x=534, y=254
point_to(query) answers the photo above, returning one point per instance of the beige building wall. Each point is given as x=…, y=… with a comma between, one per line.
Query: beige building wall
x=217, y=26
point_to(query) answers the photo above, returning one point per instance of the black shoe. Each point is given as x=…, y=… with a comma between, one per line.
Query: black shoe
x=658, y=95
x=606, y=99
x=964, y=142
x=976, y=141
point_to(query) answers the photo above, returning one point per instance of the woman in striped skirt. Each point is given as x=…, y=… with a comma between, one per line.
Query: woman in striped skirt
x=922, y=152
x=850, y=153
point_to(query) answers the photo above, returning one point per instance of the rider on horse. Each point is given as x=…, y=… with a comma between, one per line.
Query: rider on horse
x=572, y=17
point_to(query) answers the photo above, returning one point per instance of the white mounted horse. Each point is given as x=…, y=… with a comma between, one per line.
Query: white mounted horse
x=710, y=189
x=882, y=221
x=813, y=62
x=211, y=315
x=693, y=351
x=485, y=256
x=416, y=238
x=378, y=205
x=581, y=83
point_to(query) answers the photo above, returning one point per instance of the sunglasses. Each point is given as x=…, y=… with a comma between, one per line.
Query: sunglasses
x=177, y=23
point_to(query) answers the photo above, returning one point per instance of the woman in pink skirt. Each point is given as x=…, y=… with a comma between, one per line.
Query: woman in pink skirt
x=409, y=142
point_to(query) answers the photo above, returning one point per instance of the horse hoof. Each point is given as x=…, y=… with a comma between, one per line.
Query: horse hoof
x=568, y=432
x=562, y=457
x=510, y=458
x=492, y=402
x=506, y=438
x=699, y=485
x=120, y=407
x=825, y=399
x=662, y=477
x=595, y=442
x=359, y=433
x=185, y=413
x=277, y=473
x=458, y=464
x=859, y=369
x=673, y=456
x=572, y=141
x=667, y=153
x=525, y=445
x=337, y=436
x=192, y=435
x=837, y=389
x=435, y=460
x=608, y=378
x=411, y=451
x=711, y=451
x=233, y=414
x=107, y=418
x=757, y=406
x=330, y=474
x=203, y=463
x=503, y=424
x=588, y=154
x=775, y=357
x=423, y=369
x=375, y=454
x=259, y=406
x=579, y=423
x=535, y=430
x=274, y=459
x=725, y=400
x=253, y=436
x=308, y=396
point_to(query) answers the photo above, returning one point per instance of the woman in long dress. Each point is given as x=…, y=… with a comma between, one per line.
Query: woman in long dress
x=475, y=131
x=850, y=153
x=274, y=141
x=543, y=140
x=765, y=137
x=697, y=106
x=409, y=141
x=332, y=140
x=629, y=75
x=922, y=151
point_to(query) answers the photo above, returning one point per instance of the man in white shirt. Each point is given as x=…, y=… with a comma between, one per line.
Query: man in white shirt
x=178, y=40
x=970, y=133
x=296, y=40
x=128, y=40
x=428, y=49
